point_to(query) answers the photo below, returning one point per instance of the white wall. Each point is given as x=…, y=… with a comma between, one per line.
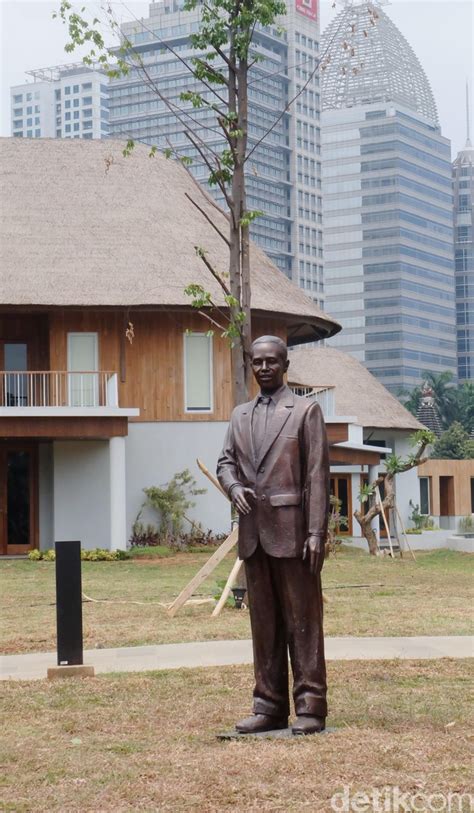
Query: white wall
x=46, y=495
x=82, y=492
x=157, y=451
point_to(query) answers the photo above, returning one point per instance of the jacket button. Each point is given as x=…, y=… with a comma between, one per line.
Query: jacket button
x=263, y=498
x=261, y=470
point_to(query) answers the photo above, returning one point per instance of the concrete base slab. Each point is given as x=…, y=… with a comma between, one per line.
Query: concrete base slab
x=78, y=670
x=279, y=734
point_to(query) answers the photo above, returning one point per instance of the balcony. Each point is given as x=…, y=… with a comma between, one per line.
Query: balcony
x=52, y=389
x=61, y=404
x=323, y=395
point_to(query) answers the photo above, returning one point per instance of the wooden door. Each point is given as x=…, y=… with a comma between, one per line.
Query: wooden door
x=340, y=487
x=18, y=498
x=446, y=496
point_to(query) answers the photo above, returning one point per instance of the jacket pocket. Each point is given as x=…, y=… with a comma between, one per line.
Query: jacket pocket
x=284, y=499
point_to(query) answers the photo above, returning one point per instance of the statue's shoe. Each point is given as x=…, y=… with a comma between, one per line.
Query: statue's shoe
x=304, y=724
x=260, y=722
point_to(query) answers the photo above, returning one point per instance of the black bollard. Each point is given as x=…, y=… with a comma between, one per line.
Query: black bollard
x=69, y=603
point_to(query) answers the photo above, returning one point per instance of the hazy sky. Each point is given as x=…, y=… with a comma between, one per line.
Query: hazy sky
x=440, y=32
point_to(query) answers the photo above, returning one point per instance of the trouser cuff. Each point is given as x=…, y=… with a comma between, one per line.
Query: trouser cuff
x=263, y=706
x=311, y=706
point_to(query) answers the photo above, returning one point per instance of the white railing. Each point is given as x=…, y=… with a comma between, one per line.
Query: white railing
x=324, y=397
x=58, y=389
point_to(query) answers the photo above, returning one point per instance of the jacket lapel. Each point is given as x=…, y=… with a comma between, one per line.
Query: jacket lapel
x=246, y=429
x=279, y=419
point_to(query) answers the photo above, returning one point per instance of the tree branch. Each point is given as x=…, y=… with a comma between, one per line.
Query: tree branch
x=206, y=216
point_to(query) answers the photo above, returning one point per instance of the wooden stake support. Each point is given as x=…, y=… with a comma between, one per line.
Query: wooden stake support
x=379, y=499
x=205, y=571
x=228, y=587
x=404, y=532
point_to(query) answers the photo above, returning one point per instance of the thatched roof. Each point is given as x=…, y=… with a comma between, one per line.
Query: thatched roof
x=82, y=225
x=357, y=392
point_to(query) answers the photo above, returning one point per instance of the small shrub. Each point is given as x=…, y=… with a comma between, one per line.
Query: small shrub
x=96, y=555
x=466, y=524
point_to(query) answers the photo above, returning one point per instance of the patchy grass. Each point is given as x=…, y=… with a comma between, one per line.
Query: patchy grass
x=148, y=742
x=432, y=596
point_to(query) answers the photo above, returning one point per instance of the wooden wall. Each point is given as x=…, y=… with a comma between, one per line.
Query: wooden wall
x=461, y=471
x=150, y=370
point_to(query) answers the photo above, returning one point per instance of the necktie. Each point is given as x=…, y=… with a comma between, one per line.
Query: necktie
x=259, y=422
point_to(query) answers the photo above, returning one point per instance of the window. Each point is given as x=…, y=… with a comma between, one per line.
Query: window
x=198, y=395
x=29, y=111
x=67, y=103
x=87, y=85
x=18, y=98
x=67, y=117
x=425, y=496
x=75, y=102
x=29, y=97
x=87, y=114
x=67, y=90
x=86, y=125
x=76, y=127
x=38, y=133
x=68, y=128
x=87, y=100
x=75, y=89
x=76, y=114
x=82, y=361
x=57, y=94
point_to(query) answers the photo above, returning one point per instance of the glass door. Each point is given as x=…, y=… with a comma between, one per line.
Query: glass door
x=18, y=498
x=14, y=364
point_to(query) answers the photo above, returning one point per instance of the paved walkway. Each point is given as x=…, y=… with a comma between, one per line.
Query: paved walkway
x=228, y=653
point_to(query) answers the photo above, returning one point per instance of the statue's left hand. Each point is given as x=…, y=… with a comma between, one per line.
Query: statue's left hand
x=314, y=551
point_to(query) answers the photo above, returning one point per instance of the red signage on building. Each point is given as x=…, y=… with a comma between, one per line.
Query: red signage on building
x=307, y=7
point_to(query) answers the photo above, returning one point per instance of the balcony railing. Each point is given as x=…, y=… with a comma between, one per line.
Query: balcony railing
x=324, y=396
x=58, y=389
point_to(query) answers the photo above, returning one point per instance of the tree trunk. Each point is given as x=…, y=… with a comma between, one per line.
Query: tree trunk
x=368, y=532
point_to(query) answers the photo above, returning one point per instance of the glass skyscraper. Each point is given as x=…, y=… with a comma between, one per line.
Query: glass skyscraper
x=463, y=188
x=284, y=172
x=388, y=204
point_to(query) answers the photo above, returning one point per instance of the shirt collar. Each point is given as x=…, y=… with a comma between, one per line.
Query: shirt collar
x=275, y=396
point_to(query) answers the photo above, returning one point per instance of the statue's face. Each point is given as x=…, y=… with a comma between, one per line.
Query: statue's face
x=269, y=365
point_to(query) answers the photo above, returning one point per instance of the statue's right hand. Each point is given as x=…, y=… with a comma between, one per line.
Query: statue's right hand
x=243, y=499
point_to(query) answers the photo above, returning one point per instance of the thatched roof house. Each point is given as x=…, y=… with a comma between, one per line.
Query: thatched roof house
x=357, y=392
x=82, y=225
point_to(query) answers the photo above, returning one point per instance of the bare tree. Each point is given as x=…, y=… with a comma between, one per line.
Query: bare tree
x=394, y=465
x=226, y=51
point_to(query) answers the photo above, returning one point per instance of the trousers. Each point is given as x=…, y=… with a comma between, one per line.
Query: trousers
x=286, y=615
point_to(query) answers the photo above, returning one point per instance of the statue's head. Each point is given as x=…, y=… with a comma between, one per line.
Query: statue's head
x=269, y=362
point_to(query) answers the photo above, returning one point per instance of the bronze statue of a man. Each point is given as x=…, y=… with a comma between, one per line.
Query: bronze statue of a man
x=274, y=466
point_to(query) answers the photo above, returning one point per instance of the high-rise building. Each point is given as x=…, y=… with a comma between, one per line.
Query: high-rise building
x=463, y=188
x=284, y=171
x=65, y=101
x=388, y=231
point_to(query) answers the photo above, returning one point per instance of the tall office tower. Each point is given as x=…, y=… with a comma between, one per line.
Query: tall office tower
x=284, y=172
x=388, y=232
x=65, y=101
x=463, y=187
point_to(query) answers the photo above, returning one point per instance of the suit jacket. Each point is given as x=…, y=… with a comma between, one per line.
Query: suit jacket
x=290, y=476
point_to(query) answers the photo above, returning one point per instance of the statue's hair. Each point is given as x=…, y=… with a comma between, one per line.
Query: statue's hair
x=272, y=340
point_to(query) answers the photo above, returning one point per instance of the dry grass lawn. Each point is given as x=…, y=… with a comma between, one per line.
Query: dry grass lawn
x=432, y=596
x=148, y=742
